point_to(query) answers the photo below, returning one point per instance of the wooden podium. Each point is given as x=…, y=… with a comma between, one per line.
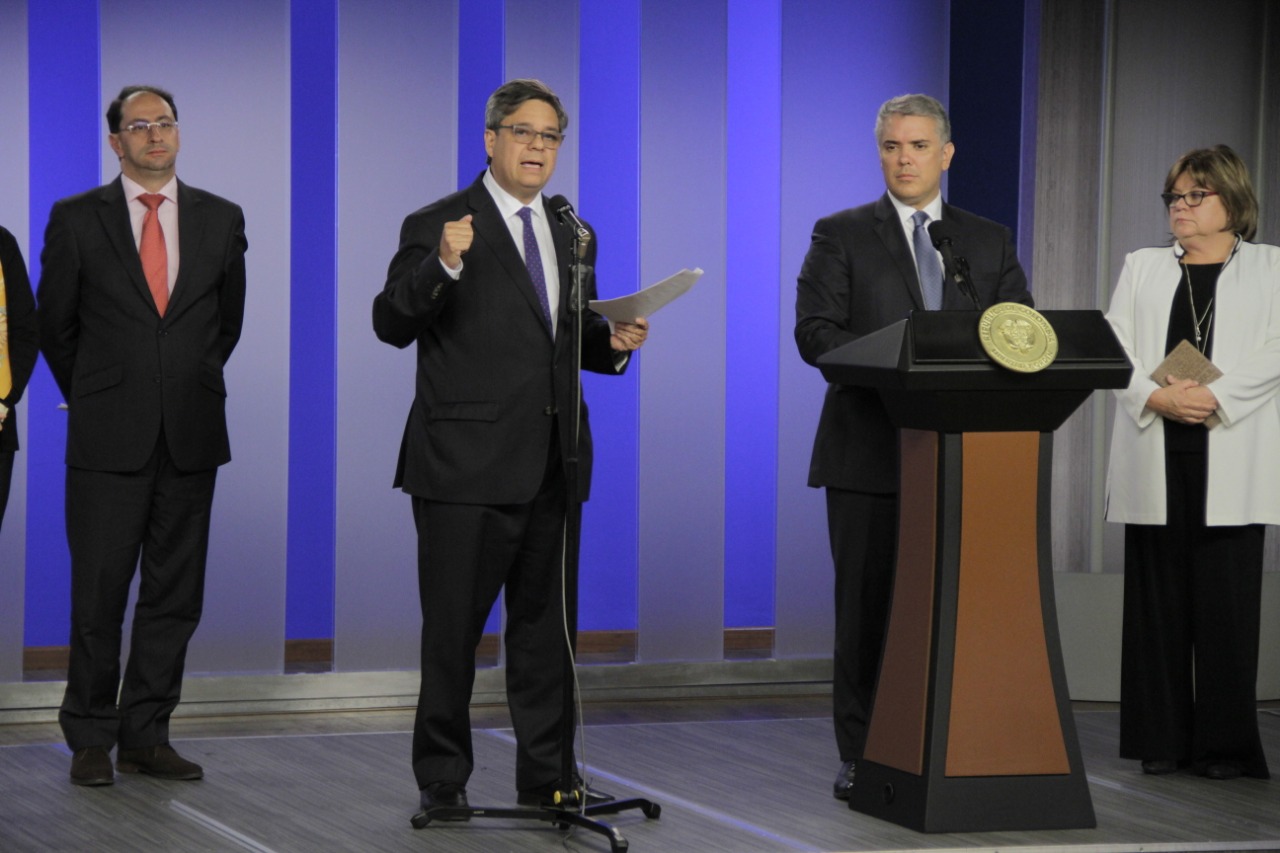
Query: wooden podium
x=971, y=728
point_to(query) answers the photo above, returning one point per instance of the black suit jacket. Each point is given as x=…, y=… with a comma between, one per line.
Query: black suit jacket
x=125, y=371
x=24, y=338
x=490, y=380
x=858, y=277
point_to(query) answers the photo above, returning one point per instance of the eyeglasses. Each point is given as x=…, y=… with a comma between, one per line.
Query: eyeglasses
x=141, y=128
x=524, y=135
x=1193, y=198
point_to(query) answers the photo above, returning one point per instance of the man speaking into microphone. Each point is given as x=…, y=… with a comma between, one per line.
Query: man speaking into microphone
x=482, y=284
x=869, y=267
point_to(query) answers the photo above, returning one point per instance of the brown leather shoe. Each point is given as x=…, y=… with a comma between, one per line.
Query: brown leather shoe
x=160, y=761
x=92, y=766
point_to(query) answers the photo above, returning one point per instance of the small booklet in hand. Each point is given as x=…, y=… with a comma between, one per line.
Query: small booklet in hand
x=1186, y=362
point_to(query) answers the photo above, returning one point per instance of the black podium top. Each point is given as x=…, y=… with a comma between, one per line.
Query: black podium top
x=932, y=372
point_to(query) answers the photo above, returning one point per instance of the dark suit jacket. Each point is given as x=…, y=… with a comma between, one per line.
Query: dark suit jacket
x=858, y=277
x=489, y=376
x=24, y=338
x=125, y=371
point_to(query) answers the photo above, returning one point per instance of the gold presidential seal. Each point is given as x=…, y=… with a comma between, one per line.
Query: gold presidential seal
x=1017, y=337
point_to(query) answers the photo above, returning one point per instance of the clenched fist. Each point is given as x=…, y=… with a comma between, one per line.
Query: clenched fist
x=455, y=240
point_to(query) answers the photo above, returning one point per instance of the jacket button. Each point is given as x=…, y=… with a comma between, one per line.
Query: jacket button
x=549, y=410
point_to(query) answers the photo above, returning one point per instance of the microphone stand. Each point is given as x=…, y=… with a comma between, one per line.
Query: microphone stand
x=964, y=281
x=956, y=267
x=570, y=805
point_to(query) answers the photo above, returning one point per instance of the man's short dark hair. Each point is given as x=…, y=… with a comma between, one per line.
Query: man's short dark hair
x=508, y=97
x=117, y=106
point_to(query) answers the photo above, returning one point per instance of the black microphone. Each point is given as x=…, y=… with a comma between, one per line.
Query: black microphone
x=564, y=212
x=578, y=270
x=957, y=268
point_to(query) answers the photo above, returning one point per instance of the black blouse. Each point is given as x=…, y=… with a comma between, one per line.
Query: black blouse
x=1203, y=279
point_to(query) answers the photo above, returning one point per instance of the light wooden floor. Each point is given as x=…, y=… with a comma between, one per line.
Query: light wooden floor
x=730, y=775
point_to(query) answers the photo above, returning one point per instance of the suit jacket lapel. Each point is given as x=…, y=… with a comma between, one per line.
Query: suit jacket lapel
x=889, y=229
x=489, y=227
x=114, y=214
x=191, y=222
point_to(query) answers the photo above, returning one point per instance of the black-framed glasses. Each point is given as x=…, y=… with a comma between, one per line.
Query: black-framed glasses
x=524, y=134
x=1193, y=198
x=143, y=128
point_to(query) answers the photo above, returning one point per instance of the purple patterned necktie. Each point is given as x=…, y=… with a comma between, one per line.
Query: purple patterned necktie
x=533, y=260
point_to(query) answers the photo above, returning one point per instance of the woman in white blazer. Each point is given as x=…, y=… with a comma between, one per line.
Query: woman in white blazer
x=1195, y=474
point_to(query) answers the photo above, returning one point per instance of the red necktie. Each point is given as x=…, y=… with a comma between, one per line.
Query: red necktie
x=155, y=257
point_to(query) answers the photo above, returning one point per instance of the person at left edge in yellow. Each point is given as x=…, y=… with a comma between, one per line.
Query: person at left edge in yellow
x=19, y=343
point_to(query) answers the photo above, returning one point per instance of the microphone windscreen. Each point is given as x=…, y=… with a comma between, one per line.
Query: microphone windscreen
x=940, y=231
x=560, y=204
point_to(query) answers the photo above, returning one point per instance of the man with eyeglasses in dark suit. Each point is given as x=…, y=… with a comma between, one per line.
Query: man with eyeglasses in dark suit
x=141, y=300
x=481, y=284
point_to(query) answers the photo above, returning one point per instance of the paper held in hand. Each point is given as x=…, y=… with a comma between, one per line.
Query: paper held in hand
x=1186, y=362
x=642, y=303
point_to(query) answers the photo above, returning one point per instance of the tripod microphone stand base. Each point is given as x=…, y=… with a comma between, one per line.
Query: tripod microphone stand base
x=561, y=816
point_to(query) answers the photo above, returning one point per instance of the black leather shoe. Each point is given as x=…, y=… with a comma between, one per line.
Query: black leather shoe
x=92, y=766
x=1159, y=767
x=449, y=795
x=844, y=781
x=162, y=762
x=553, y=795
x=1223, y=770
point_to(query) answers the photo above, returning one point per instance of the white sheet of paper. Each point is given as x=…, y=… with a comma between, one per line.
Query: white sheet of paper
x=642, y=303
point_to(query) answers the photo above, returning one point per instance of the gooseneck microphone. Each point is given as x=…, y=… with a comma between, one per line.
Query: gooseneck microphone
x=957, y=268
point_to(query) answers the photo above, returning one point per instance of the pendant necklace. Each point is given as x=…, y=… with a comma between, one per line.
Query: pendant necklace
x=1199, y=319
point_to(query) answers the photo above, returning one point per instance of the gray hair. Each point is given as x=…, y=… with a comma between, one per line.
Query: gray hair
x=914, y=105
x=508, y=97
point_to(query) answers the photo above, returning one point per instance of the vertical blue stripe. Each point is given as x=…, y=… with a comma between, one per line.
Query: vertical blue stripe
x=753, y=194
x=481, y=63
x=312, y=320
x=609, y=197
x=65, y=130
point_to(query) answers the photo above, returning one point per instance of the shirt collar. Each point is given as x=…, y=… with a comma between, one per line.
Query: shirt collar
x=509, y=205
x=133, y=189
x=905, y=212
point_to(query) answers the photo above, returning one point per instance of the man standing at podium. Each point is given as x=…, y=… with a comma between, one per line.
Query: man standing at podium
x=869, y=267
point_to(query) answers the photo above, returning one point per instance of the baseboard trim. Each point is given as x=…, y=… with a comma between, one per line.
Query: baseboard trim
x=37, y=701
x=48, y=663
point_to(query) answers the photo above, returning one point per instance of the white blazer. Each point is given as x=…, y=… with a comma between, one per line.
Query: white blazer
x=1244, y=451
